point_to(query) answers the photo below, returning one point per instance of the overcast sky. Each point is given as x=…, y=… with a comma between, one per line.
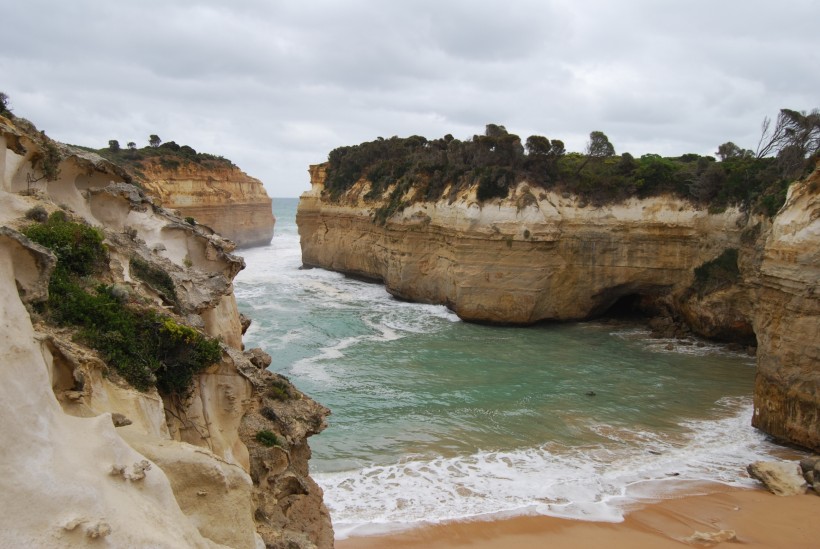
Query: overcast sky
x=275, y=85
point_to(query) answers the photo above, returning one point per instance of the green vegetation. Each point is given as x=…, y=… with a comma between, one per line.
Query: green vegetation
x=170, y=156
x=47, y=161
x=278, y=390
x=717, y=273
x=155, y=277
x=190, y=220
x=496, y=161
x=4, y=105
x=146, y=348
x=79, y=248
x=267, y=438
x=37, y=213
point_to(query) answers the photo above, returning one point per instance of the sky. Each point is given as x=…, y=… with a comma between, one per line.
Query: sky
x=275, y=85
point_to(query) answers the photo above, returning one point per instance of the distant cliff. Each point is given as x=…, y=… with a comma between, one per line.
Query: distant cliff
x=131, y=414
x=541, y=254
x=220, y=196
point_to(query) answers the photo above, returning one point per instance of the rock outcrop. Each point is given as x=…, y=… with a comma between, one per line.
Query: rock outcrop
x=787, y=320
x=536, y=256
x=782, y=478
x=86, y=455
x=224, y=198
x=541, y=255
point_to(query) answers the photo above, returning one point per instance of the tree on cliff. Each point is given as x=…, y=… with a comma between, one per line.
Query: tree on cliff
x=154, y=140
x=131, y=146
x=113, y=145
x=794, y=138
x=4, y=105
x=729, y=150
x=542, y=158
x=599, y=145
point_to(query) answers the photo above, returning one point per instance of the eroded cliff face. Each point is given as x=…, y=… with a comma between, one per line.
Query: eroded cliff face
x=787, y=321
x=536, y=256
x=90, y=457
x=226, y=199
x=540, y=255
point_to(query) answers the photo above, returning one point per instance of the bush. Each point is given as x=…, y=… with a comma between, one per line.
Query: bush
x=717, y=273
x=155, y=277
x=146, y=348
x=278, y=390
x=267, y=438
x=190, y=220
x=37, y=213
x=79, y=248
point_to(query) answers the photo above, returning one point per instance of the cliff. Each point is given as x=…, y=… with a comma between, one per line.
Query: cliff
x=542, y=255
x=89, y=458
x=787, y=320
x=221, y=196
x=535, y=256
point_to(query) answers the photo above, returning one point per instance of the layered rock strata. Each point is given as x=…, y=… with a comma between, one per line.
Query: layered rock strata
x=536, y=256
x=226, y=199
x=787, y=320
x=86, y=456
x=541, y=255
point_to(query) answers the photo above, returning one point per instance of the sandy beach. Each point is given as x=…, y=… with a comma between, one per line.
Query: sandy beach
x=754, y=518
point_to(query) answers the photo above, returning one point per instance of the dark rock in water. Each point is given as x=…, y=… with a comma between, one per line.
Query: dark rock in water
x=590, y=393
x=670, y=347
x=654, y=452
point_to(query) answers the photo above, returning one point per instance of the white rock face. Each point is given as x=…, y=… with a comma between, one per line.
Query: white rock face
x=173, y=473
x=55, y=479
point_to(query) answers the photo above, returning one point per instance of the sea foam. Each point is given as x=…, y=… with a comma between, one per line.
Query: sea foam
x=596, y=482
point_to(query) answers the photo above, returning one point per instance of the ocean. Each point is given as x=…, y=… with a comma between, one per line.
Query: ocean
x=435, y=419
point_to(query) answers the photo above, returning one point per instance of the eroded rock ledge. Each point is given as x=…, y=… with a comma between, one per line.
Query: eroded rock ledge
x=539, y=255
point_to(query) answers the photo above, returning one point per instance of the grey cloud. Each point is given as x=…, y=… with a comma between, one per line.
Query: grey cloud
x=276, y=85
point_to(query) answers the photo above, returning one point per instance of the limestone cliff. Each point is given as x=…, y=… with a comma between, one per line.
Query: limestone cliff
x=86, y=455
x=541, y=255
x=787, y=320
x=222, y=197
x=535, y=256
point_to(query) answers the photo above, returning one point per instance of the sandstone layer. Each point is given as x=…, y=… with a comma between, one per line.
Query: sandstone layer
x=226, y=199
x=86, y=456
x=540, y=255
x=787, y=320
x=535, y=256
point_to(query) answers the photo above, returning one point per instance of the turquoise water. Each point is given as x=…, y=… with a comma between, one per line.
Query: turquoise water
x=435, y=419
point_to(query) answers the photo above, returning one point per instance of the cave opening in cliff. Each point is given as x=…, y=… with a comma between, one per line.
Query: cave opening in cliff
x=626, y=306
x=631, y=305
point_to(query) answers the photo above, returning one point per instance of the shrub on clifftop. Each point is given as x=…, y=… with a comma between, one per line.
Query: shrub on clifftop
x=420, y=169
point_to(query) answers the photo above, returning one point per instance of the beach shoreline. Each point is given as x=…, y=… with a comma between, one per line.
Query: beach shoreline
x=753, y=517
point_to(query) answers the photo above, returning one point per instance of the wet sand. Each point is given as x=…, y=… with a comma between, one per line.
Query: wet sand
x=756, y=518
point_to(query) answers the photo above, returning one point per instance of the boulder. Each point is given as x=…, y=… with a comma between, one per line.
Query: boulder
x=782, y=478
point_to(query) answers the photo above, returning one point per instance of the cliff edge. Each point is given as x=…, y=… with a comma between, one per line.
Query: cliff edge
x=132, y=415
